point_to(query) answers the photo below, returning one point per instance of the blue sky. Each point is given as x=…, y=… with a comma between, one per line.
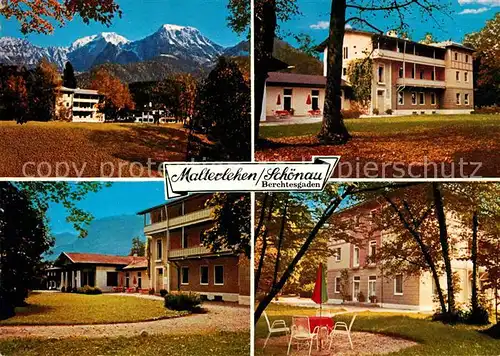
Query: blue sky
x=121, y=198
x=467, y=16
x=141, y=18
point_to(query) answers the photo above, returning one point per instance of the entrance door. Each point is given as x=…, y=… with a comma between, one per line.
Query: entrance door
x=381, y=101
x=372, y=286
x=356, y=288
x=159, y=279
x=315, y=99
x=287, y=99
x=127, y=280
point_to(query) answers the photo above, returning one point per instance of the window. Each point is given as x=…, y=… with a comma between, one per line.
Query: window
x=422, y=74
x=219, y=275
x=139, y=279
x=421, y=98
x=185, y=237
x=372, y=286
x=459, y=99
x=401, y=98
x=466, y=99
x=466, y=58
x=356, y=257
x=414, y=98
x=433, y=98
x=433, y=75
x=356, y=282
x=457, y=76
x=111, y=279
x=398, y=285
x=204, y=275
x=158, y=249
x=346, y=52
x=184, y=275
x=413, y=73
x=372, y=248
x=338, y=254
x=456, y=56
x=337, y=284
x=381, y=78
x=127, y=279
x=401, y=73
x=466, y=76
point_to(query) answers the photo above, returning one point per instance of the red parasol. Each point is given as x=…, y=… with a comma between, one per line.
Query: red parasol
x=308, y=101
x=320, y=294
x=278, y=100
x=135, y=280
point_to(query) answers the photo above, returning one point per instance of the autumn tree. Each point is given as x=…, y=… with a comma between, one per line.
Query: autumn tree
x=15, y=98
x=43, y=85
x=40, y=16
x=486, y=43
x=69, y=79
x=117, y=97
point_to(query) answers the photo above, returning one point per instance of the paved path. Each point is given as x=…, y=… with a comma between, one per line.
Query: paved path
x=218, y=318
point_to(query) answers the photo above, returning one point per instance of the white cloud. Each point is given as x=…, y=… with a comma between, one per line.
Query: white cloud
x=473, y=11
x=491, y=3
x=320, y=25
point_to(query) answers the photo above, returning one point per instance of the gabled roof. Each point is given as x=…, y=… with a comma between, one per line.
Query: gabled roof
x=293, y=79
x=137, y=263
x=94, y=258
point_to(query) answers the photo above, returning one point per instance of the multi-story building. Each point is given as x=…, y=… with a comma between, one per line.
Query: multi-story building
x=366, y=278
x=412, y=77
x=79, y=105
x=408, y=78
x=178, y=260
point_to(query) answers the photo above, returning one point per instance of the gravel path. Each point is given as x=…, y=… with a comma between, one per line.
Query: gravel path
x=364, y=343
x=217, y=318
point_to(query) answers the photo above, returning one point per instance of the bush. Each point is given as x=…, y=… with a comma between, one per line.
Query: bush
x=376, y=111
x=183, y=301
x=493, y=332
x=63, y=289
x=449, y=318
x=151, y=291
x=373, y=298
x=163, y=292
x=361, y=297
x=477, y=317
x=351, y=114
x=487, y=110
x=389, y=111
x=88, y=290
x=306, y=290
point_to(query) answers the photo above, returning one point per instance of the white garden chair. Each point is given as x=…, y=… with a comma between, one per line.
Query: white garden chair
x=342, y=328
x=301, y=333
x=277, y=327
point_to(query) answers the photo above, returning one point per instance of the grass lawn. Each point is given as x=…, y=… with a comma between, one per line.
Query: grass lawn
x=89, y=149
x=407, y=139
x=220, y=344
x=434, y=338
x=71, y=308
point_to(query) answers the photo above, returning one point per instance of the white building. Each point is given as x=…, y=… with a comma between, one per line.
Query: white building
x=79, y=105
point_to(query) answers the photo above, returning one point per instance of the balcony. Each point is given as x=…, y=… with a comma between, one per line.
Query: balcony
x=77, y=108
x=194, y=252
x=86, y=100
x=398, y=56
x=421, y=83
x=179, y=221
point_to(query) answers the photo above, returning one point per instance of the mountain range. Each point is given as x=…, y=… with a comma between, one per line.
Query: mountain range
x=111, y=235
x=181, y=46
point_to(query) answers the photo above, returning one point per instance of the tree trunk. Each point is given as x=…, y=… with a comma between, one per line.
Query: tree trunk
x=333, y=129
x=265, y=32
x=258, y=272
x=261, y=217
x=445, y=248
x=474, y=301
x=280, y=243
x=284, y=277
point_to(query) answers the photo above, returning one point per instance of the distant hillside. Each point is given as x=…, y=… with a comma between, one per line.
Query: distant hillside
x=110, y=235
x=303, y=63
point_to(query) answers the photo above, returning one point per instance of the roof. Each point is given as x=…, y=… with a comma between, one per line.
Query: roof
x=77, y=257
x=280, y=78
x=321, y=47
x=80, y=91
x=137, y=263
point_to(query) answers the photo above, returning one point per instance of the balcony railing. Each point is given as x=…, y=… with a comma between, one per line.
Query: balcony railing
x=423, y=83
x=85, y=100
x=398, y=56
x=192, y=251
x=179, y=221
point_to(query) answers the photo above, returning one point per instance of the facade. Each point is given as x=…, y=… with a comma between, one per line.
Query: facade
x=368, y=279
x=103, y=271
x=79, y=105
x=177, y=259
x=411, y=77
x=298, y=94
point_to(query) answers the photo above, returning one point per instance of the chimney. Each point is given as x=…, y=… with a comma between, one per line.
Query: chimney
x=392, y=33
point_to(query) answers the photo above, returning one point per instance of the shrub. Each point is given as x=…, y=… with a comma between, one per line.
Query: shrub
x=183, y=301
x=478, y=317
x=376, y=111
x=306, y=290
x=163, y=292
x=361, y=297
x=389, y=111
x=89, y=290
x=151, y=291
x=351, y=114
x=373, y=298
x=487, y=110
x=63, y=289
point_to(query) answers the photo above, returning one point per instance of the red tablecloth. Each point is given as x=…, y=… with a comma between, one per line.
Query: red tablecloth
x=320, y=321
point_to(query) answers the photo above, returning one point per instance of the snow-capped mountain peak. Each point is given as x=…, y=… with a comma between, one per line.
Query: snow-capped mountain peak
x=110, y=37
